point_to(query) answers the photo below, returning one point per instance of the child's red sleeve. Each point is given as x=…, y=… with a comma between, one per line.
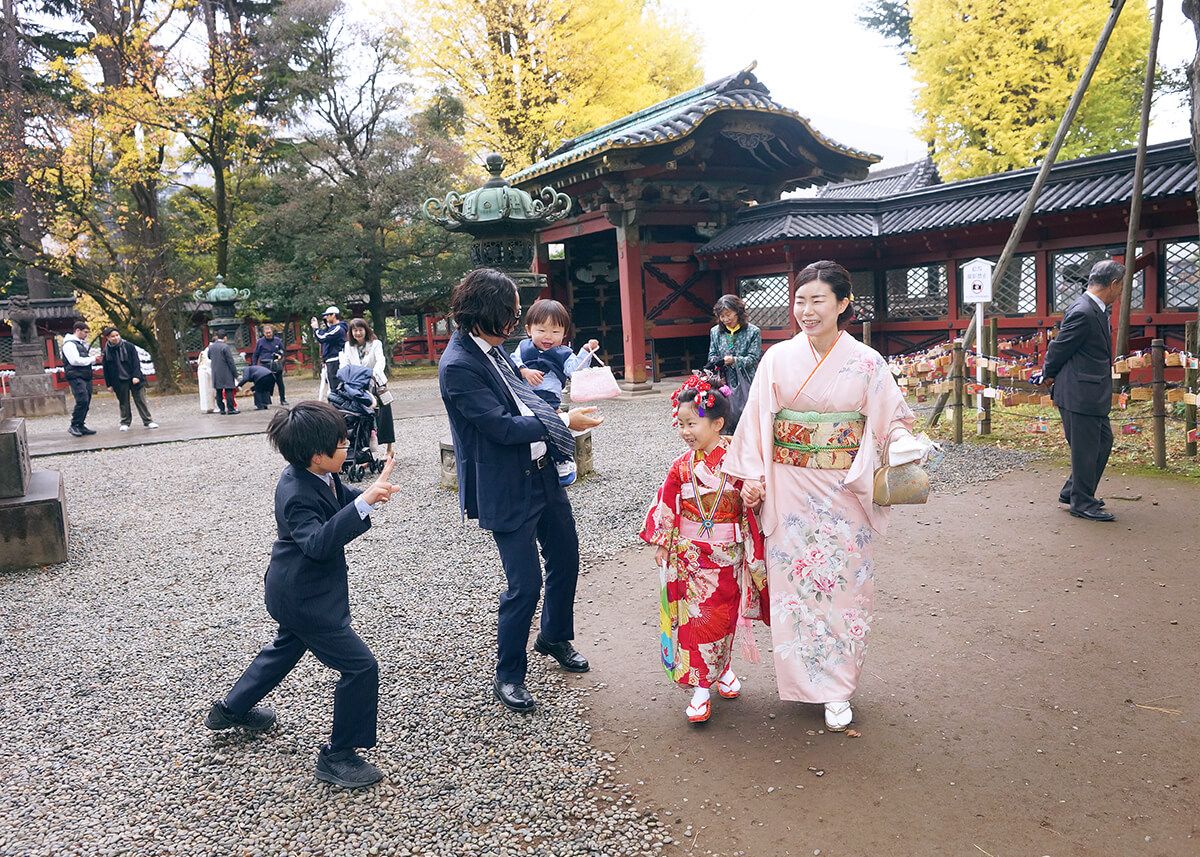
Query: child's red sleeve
x=662, y=519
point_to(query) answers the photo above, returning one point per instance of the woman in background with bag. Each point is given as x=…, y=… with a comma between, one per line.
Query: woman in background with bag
x=734, y=350
x=821, y=413
x=364, y=349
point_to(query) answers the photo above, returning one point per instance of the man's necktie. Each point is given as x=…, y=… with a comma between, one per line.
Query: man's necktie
x=561, y=441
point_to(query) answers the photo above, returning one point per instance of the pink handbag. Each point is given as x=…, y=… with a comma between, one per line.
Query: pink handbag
x=594, y=383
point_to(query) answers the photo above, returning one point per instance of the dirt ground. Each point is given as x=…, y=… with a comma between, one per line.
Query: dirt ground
x=1030, y=689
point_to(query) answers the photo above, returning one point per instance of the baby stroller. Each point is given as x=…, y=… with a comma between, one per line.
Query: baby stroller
x=354, y=401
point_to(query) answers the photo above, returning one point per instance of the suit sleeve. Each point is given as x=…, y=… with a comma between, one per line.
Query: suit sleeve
x=1071, y=335
x=227, y=356
x=318, y=539
x=478, y=404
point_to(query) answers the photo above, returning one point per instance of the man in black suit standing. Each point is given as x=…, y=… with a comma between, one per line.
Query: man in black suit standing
x=506, y=442
x=1079, y=365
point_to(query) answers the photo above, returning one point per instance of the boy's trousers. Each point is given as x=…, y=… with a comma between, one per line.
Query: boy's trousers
x=355, y=698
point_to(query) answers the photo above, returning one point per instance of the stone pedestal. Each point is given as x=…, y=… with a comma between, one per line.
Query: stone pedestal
x=584, y=460
x=636, y=388
x=33, y=514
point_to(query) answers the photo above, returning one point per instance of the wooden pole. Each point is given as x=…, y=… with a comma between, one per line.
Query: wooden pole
x=1158, y=362
x=1135, y=201
x=988, y=347
x=958, y=372
x=1192, y=346
x=1014, y=237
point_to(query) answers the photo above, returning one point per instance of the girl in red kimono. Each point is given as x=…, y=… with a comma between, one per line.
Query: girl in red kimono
x=710, y=554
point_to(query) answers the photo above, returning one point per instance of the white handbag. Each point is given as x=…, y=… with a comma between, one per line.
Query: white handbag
x=594, y=383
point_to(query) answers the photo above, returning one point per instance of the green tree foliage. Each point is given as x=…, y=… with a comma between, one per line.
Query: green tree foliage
x=995, y=76
x=532, y=74
x=891, y=19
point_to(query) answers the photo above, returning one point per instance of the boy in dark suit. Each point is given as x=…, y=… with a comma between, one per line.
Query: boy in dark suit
x=1079, y=365
x=308, y=595
x=506, y=442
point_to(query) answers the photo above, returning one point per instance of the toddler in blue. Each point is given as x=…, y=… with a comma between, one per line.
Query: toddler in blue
x=546, y=363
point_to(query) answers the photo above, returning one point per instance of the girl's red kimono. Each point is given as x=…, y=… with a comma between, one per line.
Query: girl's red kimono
x=715, y=570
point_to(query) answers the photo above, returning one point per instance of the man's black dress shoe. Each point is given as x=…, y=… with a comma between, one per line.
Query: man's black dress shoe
x=514, y=696
x=75, y=431
x=260, y=718
x=1094, y=515
x=569, y=659
x=1066, y=501
x=87, y=430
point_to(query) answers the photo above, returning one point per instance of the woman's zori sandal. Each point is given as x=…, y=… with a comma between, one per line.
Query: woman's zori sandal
x=838, y=716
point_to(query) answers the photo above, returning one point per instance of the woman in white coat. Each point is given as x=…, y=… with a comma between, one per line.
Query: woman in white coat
x=204, y=382
x=364, y=349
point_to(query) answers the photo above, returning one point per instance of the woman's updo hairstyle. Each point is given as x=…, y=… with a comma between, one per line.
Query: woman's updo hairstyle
x=837, y=278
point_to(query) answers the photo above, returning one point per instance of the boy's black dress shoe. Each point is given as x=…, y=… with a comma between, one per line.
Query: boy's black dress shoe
x=514, y=696
x=258, y=719
x=1094, y=515
x=569, y=659
x=346, y=768
x=1066, y=501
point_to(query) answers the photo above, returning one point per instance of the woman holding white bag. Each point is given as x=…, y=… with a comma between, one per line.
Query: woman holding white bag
x=823, y=417
x=364, y=349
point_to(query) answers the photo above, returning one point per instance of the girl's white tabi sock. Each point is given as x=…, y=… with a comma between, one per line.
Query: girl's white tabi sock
x=727, y=678
x=700, y=697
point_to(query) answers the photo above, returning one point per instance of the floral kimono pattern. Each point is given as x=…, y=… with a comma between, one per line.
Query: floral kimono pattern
x=819, y=524
x=713, y=575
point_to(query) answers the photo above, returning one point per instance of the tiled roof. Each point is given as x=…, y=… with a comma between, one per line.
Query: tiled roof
x=1100, y=180
x=677, y=117
x=885, y=182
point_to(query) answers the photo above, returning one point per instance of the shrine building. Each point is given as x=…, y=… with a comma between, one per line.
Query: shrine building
x=680, y=203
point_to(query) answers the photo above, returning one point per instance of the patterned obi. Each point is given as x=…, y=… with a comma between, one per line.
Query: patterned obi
x=813, y=439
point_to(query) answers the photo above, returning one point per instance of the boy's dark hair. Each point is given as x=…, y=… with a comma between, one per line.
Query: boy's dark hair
x=107, y=330
x=308, y=429
x=546, y=311
x=80, y=324
x=483, y=302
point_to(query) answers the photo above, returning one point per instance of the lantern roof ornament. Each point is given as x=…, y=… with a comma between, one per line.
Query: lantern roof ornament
x=220, y=292
x=496, y=206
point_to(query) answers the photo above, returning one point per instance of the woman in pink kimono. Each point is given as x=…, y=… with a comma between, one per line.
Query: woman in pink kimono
x=817, y=424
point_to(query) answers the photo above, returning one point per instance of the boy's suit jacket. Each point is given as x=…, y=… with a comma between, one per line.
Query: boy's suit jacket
x=1079, y=360
x=306, y=583
x=491, y=437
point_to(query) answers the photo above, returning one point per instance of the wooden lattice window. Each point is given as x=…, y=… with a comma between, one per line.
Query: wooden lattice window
x=864, y=294
x=1069, y=275
x=768, y=302
x=1181, y=275
x=6, y=349
x=918, y=292
x=1015, y=294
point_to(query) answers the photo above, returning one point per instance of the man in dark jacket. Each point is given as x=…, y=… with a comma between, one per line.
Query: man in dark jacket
x=270, y=353
x=263, y=381
x=1079, y=365
x=224, y=373
x=78, y=369
x=506, y=440
x=123, y=375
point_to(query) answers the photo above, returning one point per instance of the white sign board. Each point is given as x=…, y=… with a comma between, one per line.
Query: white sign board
x=977, y=281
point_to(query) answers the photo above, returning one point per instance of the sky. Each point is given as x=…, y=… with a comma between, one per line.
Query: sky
x=849, y=82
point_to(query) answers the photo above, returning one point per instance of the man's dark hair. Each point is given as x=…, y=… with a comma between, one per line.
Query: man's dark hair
x=80, y=324
x=483, y=303
x=308, y=429
x=107, y=330
x=218, y=334
x=547, y=311
x=734, y=304
x=1105, y=273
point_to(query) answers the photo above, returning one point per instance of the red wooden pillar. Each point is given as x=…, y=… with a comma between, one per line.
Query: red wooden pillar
x=633, y=313
x=430, y=352
x=793, y=270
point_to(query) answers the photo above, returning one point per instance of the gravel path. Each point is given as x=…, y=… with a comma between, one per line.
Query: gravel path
x=110, y=662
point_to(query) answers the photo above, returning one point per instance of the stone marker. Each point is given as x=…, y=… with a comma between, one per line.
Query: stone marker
x=33, y=520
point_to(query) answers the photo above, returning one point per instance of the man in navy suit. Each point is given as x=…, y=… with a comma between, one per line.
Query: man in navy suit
x=1079, y=365
x=308, y=595
x=506, y=442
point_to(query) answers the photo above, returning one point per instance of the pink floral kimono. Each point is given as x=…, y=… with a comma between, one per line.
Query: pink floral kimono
x=815, y=431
